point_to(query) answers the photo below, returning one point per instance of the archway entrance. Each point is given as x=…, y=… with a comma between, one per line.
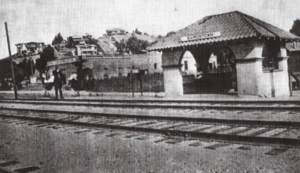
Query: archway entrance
x=213, y=71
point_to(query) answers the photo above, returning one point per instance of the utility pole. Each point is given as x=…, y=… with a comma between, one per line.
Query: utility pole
x=132, y=82
x=11, y=64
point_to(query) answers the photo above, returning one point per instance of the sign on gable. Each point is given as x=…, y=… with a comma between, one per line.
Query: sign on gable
x=201, y=36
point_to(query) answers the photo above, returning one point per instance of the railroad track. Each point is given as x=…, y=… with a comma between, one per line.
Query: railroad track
x=272, y=133
x=289, y=105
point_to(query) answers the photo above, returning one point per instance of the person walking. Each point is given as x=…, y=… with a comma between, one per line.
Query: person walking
x=58, y=82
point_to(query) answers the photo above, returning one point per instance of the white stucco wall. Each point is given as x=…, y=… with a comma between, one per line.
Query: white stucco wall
x=277, y=80
x=247, y=77
x=173, y=82
x=252, y=80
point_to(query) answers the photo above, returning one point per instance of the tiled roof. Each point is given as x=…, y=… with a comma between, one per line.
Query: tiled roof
x=230, y=26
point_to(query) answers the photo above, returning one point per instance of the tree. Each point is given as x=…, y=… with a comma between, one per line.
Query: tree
x=58, y=39
x=28, y=67
x=296, y=27
x=136, y=45
x=170, y=33
x=45, y=56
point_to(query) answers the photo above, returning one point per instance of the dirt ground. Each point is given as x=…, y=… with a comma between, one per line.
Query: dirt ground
x=64, y=150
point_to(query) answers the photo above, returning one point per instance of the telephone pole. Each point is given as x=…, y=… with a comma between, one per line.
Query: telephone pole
x=11, y=64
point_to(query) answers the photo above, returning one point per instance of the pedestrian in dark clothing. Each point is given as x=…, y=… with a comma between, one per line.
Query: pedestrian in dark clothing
x=58, y=82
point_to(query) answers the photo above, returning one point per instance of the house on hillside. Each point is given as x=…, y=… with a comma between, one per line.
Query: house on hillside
x=86, y=49
x=75, y=40
x=116, y=31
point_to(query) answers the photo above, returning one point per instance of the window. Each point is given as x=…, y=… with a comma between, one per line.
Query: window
x=105, y=73
x=155, y=65
x=105, y=76
x=120, y=71
x=185, y=65
x=270, y=54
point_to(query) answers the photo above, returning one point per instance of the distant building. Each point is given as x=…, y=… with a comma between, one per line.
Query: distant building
x=115, y=31
x=86, y=49
x=75, y=40
x=29, y=48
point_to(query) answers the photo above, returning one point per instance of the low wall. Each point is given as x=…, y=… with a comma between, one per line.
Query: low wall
x=121, y=65
x=151, y=83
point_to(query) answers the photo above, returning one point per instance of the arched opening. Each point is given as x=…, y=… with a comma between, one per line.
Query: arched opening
x=209, y=71
x=189, y=65
x=188, y=71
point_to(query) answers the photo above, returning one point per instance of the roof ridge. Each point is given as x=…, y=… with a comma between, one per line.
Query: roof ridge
x=241, y=15
x=251, y=18
x=214, y=15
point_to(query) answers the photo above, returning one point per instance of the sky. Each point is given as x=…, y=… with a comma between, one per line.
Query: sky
x=41, y=20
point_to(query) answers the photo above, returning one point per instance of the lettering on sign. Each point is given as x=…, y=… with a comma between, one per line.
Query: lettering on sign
x=201, y=36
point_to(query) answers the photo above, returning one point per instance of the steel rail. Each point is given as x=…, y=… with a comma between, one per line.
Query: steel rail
x=163, y=106
x=287, y=142
x=236, y=122
x=228, y=101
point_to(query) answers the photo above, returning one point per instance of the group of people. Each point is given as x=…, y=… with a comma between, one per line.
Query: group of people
x=57, y=82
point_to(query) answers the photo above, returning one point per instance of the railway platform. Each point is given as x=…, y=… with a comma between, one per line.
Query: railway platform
x=137, y=96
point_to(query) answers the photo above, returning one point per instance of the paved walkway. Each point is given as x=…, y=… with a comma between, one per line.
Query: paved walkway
x=137, y=96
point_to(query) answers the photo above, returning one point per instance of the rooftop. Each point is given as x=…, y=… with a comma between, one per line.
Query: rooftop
x=31, y=43
x=222, y=27
x=85, y=45
x=115, y=29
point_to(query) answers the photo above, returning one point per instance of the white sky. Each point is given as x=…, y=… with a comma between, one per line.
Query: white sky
x=41, y=20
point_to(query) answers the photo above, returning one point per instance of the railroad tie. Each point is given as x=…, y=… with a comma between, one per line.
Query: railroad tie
x=218, y=145
x=26, y=169
x=112, y=134
x=244, y=148
x=8, y=163
x=276, y=151
x=259, y=132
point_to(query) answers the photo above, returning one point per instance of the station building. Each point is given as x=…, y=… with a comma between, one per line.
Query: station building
x=251, y=55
